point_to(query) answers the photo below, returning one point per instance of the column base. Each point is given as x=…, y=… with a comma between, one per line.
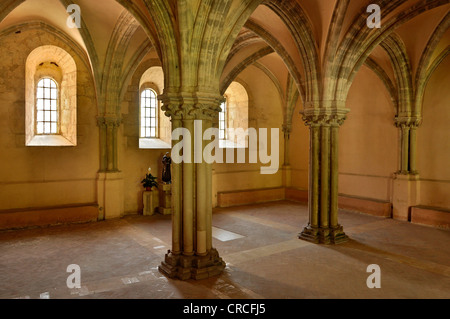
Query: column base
x=110, y=192
x=326, y=236
x=405, y=194
x=192, y=267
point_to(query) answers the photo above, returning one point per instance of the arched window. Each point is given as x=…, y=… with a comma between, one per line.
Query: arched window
x=47, y=107
x=234, y=117
x=151, y=124
x=223, y=121
x=149, y=114
x=50, y=98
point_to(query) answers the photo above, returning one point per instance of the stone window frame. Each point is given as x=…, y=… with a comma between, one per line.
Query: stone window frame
x=50, y=61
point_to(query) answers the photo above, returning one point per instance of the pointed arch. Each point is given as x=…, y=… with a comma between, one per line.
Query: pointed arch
x=243, y=65
x=426, y=65
x=112, y=79
x=299, y=25
x=396, y=50
x=279, y=49
x=360, y=41
x=379, y=71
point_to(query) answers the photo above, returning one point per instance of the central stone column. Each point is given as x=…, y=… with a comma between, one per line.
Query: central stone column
x=192, y=254
x=323, y=226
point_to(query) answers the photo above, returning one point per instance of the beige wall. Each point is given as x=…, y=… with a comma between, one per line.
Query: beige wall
x=264, y=112
x=368, y=149
x=299, y=150
x=433, y=140
x=43, y=176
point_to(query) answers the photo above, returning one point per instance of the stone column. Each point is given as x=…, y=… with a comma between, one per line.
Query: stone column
x=287, y=130
x=109, y=127
x=413, y=149
x=109, y=180
x=192, y=254
x=177, y=191
x=406, y=186
x=323, y=226
x=408, y=141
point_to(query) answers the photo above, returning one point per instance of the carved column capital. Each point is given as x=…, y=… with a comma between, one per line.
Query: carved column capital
x=109, y=121
x=191, y=106
x=322, y=117
x=407, y=121
x=287, y=128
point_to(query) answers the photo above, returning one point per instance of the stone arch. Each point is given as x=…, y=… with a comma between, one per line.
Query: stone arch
x=357, y=45
x=292, y=14
x=242, y=66
x=382, y=75
x=280, y=50
x=396, y=50
x=427, y=65
x=89, y=54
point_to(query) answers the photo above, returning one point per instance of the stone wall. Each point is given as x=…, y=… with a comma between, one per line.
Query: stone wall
x=433, y=140
x=265, y=111
x=43, y=176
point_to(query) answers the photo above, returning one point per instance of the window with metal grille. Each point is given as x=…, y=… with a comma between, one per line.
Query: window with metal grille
x=47, y=107
x=223, y=123
x=149, y=118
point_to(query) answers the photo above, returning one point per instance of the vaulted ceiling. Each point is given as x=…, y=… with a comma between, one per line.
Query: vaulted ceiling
x=319, y=45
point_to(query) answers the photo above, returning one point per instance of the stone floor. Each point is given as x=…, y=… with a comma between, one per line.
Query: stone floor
x=265, y=260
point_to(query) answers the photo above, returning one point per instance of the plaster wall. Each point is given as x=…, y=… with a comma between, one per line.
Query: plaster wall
x=43, y=176
x=299, y=151
x=265, y=111
x=433, y=140
x=368, y=146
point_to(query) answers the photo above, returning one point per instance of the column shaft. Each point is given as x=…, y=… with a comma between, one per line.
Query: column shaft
x=408, y=143
x=325, y=177
x=287, y=134
x=314, y=176
x=109, y=147
x=405, y=149
x=334, y=203
x=412, y=149
x=103, y=156
x=208, y=194
x=201, y=248
x=188, y=195
x=177, y=200
x=115, y=151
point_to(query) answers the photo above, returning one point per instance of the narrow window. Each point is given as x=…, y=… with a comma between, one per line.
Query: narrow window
x=47, y=107
x=223, y=123
x=149, y=118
